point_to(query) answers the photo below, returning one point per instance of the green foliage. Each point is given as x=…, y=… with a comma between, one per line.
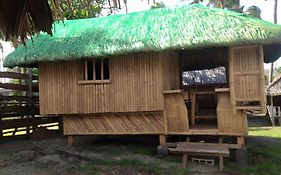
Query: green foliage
x=228, y=4
x=254, y=11
x=77, y=9
x=158, y=5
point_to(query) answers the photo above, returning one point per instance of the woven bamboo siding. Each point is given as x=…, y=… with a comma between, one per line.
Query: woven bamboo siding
x=228, y=122
x=246, y=77
x=135, y=85
x=176, y=113
x=114, y=124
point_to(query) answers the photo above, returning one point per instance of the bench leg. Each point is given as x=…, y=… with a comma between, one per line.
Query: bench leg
x=221, y=163
x=184, y=161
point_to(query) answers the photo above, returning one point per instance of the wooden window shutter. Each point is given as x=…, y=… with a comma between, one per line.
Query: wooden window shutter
x=246, y=78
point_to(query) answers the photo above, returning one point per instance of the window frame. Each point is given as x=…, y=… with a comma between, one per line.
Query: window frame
x=102, y=73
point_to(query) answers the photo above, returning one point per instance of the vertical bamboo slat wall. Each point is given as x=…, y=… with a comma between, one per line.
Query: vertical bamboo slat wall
x=230, y=123
x=175, y=110
x=170, y=70
x=246, y=77
x=135, y=85
x=176, y=113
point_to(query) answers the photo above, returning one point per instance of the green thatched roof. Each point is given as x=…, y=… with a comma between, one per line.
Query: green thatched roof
x=186, y=27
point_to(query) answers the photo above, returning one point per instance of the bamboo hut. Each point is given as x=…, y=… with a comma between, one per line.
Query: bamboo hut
x=122, y=74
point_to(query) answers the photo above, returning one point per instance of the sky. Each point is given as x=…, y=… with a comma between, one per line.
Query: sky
x=266, y=7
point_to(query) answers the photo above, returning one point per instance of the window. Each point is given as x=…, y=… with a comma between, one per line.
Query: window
x=96, y=70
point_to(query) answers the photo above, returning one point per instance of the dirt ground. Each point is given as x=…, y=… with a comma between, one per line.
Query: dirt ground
x=108, y=156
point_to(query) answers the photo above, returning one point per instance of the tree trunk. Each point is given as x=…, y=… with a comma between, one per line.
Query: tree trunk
x=275, y=11
x=275, y=21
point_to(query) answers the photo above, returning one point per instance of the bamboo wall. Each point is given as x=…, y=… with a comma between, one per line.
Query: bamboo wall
x=114, y=124
x=230, y=123
x=246, y=78
x=175, y=113
x=135, y=85
x=170, y=70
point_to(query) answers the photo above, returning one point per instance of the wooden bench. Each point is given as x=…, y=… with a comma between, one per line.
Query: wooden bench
x=201, y=149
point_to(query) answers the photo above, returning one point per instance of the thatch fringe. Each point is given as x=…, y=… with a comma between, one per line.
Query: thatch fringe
x=21, y=18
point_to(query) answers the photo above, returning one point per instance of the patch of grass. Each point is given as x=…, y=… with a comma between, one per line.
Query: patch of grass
x=265, y=131
x=152, y=168
x=263, y=160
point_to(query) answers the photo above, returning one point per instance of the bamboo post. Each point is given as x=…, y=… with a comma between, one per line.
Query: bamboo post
x=1, y=131
x=29, y=94
x=165, y=121
x=262, y=81
x=193, y=109
x=231, y=79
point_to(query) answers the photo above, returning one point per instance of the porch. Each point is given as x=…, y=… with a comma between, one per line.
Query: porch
x=216, y=88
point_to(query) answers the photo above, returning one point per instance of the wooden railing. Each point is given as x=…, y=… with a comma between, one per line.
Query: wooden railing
x=19, y=105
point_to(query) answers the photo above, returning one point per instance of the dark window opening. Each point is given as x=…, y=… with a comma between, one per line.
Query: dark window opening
x=90, y=71
x=97, y=69
x=106, y=68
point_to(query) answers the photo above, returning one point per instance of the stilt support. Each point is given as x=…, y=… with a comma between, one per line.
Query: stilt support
x=71, y=140
x=221, y=163
x=220, y=139
x=162, y=139
x=241, y=141
x=184, y=161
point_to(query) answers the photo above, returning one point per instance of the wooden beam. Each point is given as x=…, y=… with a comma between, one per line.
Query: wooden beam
x=19, y=98
x=18, y=87
x=15, y=75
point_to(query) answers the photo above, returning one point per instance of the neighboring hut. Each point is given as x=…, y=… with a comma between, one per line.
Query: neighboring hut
x=273, y=92
x=122, y=74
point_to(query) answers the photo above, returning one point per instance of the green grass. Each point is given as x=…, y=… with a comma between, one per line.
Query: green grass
x=265, y=131
x=263, y=160
x=264, y=157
